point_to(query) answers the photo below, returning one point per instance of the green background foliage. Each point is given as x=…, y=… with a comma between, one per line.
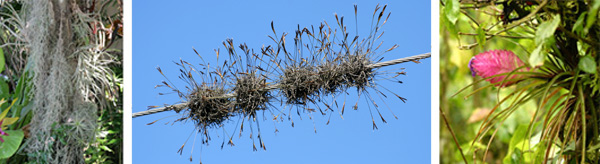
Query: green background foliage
x=516, y=133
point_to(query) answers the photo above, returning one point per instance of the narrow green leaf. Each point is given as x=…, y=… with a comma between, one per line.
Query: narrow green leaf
x=481, y=36
x=587, y=64
x=11, y=143
x=3, y=114
x=2, y=61
x=592, y=15
x=112, y=141
x=546, y=30
x=9, y=121
x=578, y=26
x=106, y=148
x=452, y=10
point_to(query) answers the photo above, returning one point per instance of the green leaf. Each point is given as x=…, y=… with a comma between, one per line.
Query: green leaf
x=537, y=57
x=9, y=121
x=3, y=114
x=587, y=64
x=546, y=30
x=11, y=143
x=540, y=151
x=106, y=148
x=592, y=15
x=449, y=25
x=517, y=156
x=593, y=148
x=2, y=62
x=518, y=141
x=112, y=141
x=4, y=90
x=452, y=10
x=578, y=26
x=481, y=36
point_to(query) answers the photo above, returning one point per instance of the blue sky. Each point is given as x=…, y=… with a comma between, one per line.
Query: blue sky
x=166, y=32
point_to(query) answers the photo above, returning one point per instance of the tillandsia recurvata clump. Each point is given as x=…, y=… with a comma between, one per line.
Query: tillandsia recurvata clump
x=357, y=72
x=299, y=84
x=324, y=63
x=251, y=95
x=206, y=110
x=545, y=52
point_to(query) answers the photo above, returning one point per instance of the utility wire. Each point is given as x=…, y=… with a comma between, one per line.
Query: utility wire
x=275, y=86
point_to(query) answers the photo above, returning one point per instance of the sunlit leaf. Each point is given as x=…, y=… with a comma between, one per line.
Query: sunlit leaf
x=587, y=64
x=106, y=148
x=546, y=30
x=444, y=22
x=537, y=56
x=518, y=141
x=452, y=10
x=11, y=143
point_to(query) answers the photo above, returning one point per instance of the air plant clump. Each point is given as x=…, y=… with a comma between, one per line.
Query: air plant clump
x=251, y=95
x=204, y=103
x=350, y=71
x=300, y=84
x=332, y=80
x=207, y=108
x=357, y=72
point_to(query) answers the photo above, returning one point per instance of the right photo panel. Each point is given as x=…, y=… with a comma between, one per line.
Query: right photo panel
x=519, y=81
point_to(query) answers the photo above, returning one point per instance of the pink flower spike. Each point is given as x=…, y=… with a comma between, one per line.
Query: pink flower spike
x=496, y=62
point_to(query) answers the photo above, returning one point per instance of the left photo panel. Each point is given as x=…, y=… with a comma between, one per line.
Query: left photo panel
x=61, y=77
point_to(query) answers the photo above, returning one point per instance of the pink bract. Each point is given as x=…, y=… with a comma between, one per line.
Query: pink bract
x=496, y=62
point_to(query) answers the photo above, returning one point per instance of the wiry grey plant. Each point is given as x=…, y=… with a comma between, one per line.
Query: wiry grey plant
x=325, y=62
x=67, y=49
x=12, y=44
